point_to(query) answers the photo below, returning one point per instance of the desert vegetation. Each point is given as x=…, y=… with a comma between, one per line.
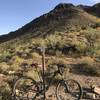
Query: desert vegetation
x=77, y=44
x=70, y=43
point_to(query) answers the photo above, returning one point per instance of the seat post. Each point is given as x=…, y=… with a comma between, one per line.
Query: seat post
x=43, y=68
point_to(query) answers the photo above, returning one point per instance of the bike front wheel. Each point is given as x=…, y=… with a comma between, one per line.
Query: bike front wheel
x=68, y=90
x=25, y=88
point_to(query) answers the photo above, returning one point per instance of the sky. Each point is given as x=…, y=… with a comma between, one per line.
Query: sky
x=16, y=13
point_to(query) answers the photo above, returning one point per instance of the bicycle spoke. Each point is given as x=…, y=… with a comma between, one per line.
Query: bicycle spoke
x=69, y=90
x=25, y=89
x=74, y=88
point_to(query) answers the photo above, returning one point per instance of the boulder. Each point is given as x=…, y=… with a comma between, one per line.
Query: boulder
x=96, y=89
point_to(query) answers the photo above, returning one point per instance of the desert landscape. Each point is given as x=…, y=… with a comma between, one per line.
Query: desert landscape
x=71, y=35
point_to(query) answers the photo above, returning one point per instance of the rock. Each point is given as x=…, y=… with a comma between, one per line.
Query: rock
x=96, y=89
x=11, y=72
x=90, y=96
x=53, y=97
x=3, y=77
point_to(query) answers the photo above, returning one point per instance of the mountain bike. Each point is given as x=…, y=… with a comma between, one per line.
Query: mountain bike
x=26, y=88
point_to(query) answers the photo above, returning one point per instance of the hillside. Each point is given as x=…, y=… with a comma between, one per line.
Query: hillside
x=63, y=16
x=66, y=30
x=94, y=10
x=71, y=35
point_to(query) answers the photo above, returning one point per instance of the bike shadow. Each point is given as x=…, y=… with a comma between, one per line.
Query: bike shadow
x=78, y=69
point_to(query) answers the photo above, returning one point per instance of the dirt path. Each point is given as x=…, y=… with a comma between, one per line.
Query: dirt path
x=85, y=81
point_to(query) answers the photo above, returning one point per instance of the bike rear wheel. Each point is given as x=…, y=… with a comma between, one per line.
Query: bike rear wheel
x=68, y=90
x=25, y=88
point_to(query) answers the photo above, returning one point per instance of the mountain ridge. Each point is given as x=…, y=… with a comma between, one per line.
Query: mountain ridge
x=94, y=10
x=62, y=14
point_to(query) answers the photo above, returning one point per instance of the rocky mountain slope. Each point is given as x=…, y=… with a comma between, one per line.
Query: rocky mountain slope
x=94, y=10
x=63, y=16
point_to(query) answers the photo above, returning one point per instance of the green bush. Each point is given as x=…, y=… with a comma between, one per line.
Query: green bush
x=5, y=91
x=5, y=57
x=4, y=67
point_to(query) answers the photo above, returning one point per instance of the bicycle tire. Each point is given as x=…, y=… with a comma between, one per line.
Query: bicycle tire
x=71, y=92
x=28, y=85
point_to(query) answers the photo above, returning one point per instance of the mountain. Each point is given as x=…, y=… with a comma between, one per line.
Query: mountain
x=94, y=10
x=63, y=16
x=67, y=28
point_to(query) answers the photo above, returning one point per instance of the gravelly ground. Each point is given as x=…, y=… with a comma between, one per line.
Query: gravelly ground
x=85, y=81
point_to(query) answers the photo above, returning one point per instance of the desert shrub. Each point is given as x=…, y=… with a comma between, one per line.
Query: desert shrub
x=24, y=54
x=35, y=55
x=5, y=91
x=5, y=56
x=87, y=60
x=98, y=59
x=57, y=45
x=92, y=35
x=54, y=45
x=12, y=51
x=14, y=63
x=93, y=40
x=83, y=27
x=51, y=51
x=16, y=60
x=4, y=67
x=80, y=46
x=33, y=73
x=95, y=25
x=94, y=51
x=51, y=45
x=14, y=67
x=69, y=49
x=59, y=53
x=38, y=42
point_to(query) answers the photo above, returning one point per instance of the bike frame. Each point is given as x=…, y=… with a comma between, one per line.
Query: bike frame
x=43, y=72
x=42, y=82
x=49, y=82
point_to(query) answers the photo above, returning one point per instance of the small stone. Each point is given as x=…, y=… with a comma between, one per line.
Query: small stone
x=11, y=72
x=53, y=97
x=90, y=95
x=97, y=90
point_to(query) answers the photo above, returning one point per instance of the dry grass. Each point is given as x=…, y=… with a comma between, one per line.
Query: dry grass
x=5, y=91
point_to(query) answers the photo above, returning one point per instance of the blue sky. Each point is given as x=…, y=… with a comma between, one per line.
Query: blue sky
x=16, y=13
